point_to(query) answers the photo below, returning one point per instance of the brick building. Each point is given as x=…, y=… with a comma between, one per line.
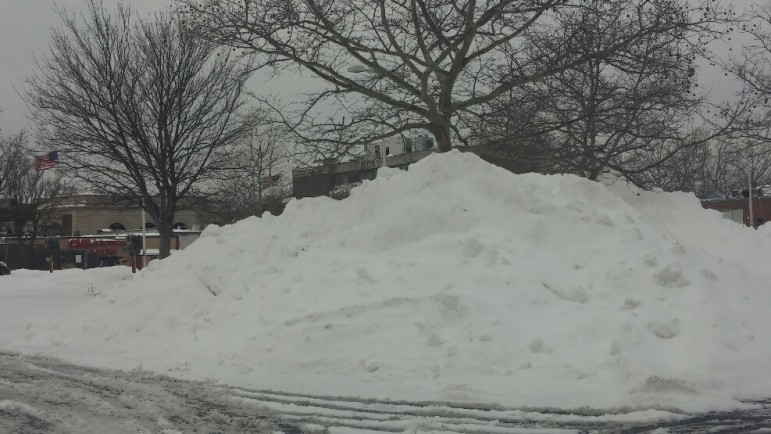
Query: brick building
x=738, y=209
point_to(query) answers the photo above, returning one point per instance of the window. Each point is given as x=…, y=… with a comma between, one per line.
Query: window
x=117, y=227
x=53, y=229
x=180, y=226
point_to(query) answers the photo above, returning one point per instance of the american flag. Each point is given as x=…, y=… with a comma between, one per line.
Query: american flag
x=45, y=162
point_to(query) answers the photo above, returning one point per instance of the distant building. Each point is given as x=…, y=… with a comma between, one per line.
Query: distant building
x=91, y=231
x=399, y=145
x=12, y=211
x=737, y=209
x=324, y=179
x=92, y=214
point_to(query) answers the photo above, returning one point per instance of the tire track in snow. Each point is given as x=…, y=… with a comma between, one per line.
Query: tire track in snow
x=406, y=416
x=43, y=395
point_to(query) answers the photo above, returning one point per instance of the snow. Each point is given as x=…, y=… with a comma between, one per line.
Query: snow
x=453, y=281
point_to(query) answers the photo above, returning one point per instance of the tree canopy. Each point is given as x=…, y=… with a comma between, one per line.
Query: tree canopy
x=139, y=107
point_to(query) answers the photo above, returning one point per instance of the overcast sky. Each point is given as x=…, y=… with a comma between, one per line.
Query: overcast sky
x=24, y=34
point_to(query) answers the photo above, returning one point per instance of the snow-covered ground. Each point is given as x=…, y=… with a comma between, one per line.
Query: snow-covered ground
x=453, y=281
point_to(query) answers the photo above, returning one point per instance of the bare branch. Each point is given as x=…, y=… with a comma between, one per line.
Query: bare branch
x=139, y=107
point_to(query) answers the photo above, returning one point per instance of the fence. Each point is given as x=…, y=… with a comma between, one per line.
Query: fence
x=23, y=256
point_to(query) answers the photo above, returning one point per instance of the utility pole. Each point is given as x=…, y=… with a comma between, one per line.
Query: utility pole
x=144, y=237
x=749, y=197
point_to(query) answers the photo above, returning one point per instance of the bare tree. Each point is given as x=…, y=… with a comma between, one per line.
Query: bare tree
x=746, y=161
x=624, y=112
x=138, y=108
x=398, y=65
x=11, y=159
x=715, y=168
x=750, y=147
x=512, y=133
x=42, y=193
x=694, y=168
x=753, y=65
x=5, y=167
x=258, y=182
x=39, y=192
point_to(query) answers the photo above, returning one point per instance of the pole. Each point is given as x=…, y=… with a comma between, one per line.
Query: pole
x=50, y=246
x=144, y=235
x=749, y=197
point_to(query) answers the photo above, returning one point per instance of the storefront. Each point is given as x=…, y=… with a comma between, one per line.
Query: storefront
x=106, y=250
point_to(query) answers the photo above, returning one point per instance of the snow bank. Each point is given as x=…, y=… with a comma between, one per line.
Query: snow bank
x=455, y=280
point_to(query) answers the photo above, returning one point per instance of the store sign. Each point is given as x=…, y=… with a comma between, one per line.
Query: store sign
x=86, y=243
x=97, y=246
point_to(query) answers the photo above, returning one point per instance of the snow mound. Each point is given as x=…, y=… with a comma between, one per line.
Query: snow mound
x=457, y=280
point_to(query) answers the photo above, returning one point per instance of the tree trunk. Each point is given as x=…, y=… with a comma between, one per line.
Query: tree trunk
x=165, y=226
x=166, y=231
x=443, y=135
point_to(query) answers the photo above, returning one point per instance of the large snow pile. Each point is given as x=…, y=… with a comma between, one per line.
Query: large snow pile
x=455, y=280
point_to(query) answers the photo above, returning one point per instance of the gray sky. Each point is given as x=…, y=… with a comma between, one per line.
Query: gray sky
x=24, y=34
